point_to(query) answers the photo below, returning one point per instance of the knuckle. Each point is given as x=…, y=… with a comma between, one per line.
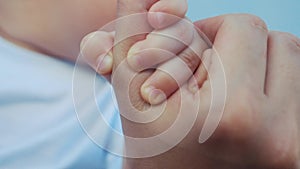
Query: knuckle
x=253, y=20
x=184, y=32
x=285, y=39
x=190, y=59
x=184, y=8
x=256, y=21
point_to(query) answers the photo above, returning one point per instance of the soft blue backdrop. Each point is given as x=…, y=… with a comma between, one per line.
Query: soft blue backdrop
x=283, y=15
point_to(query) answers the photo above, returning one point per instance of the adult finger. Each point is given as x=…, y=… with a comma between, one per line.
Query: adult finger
x=283, y=65
x=241, y=41
x=139, y=24
x=131, y=26
x=236, y=73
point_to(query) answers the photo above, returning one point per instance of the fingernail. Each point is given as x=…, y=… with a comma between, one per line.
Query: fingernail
x=133, y=61
x=193, y=86
x=134, y=49
x=83, y=43
x=155, y=96
x=160, y=18
x=137, y=63
x=86, y=39
x=104, y=64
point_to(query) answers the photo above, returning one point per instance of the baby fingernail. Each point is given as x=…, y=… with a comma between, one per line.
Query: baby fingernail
x=104, y=64
x=134, y=49
x=155, y=96
x=193, y=86
x=160, y=18
x=137, y=63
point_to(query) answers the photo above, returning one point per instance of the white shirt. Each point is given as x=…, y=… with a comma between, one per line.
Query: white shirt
x=39, y=127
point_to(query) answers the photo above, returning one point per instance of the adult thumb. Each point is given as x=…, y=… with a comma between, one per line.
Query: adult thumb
x=131, y=26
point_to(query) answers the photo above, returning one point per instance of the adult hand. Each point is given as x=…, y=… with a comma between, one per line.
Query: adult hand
x=260, y=124
x=165, y=48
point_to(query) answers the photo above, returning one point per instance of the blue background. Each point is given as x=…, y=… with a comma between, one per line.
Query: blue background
x=282, y=15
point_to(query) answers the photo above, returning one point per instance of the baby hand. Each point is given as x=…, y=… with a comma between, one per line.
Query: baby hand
x=175, y=52
x=99, y=57
x=158, y=51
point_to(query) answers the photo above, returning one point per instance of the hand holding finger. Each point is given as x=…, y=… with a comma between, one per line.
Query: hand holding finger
x=170, y=75
x=161, y=45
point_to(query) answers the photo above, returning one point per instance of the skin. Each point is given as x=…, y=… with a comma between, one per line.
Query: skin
x=269, y=100
x=260, y=127
x=182, y=41
x=55, y=28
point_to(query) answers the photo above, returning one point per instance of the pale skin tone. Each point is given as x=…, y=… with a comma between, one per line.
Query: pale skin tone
x=53, y=27
x=260, y=126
